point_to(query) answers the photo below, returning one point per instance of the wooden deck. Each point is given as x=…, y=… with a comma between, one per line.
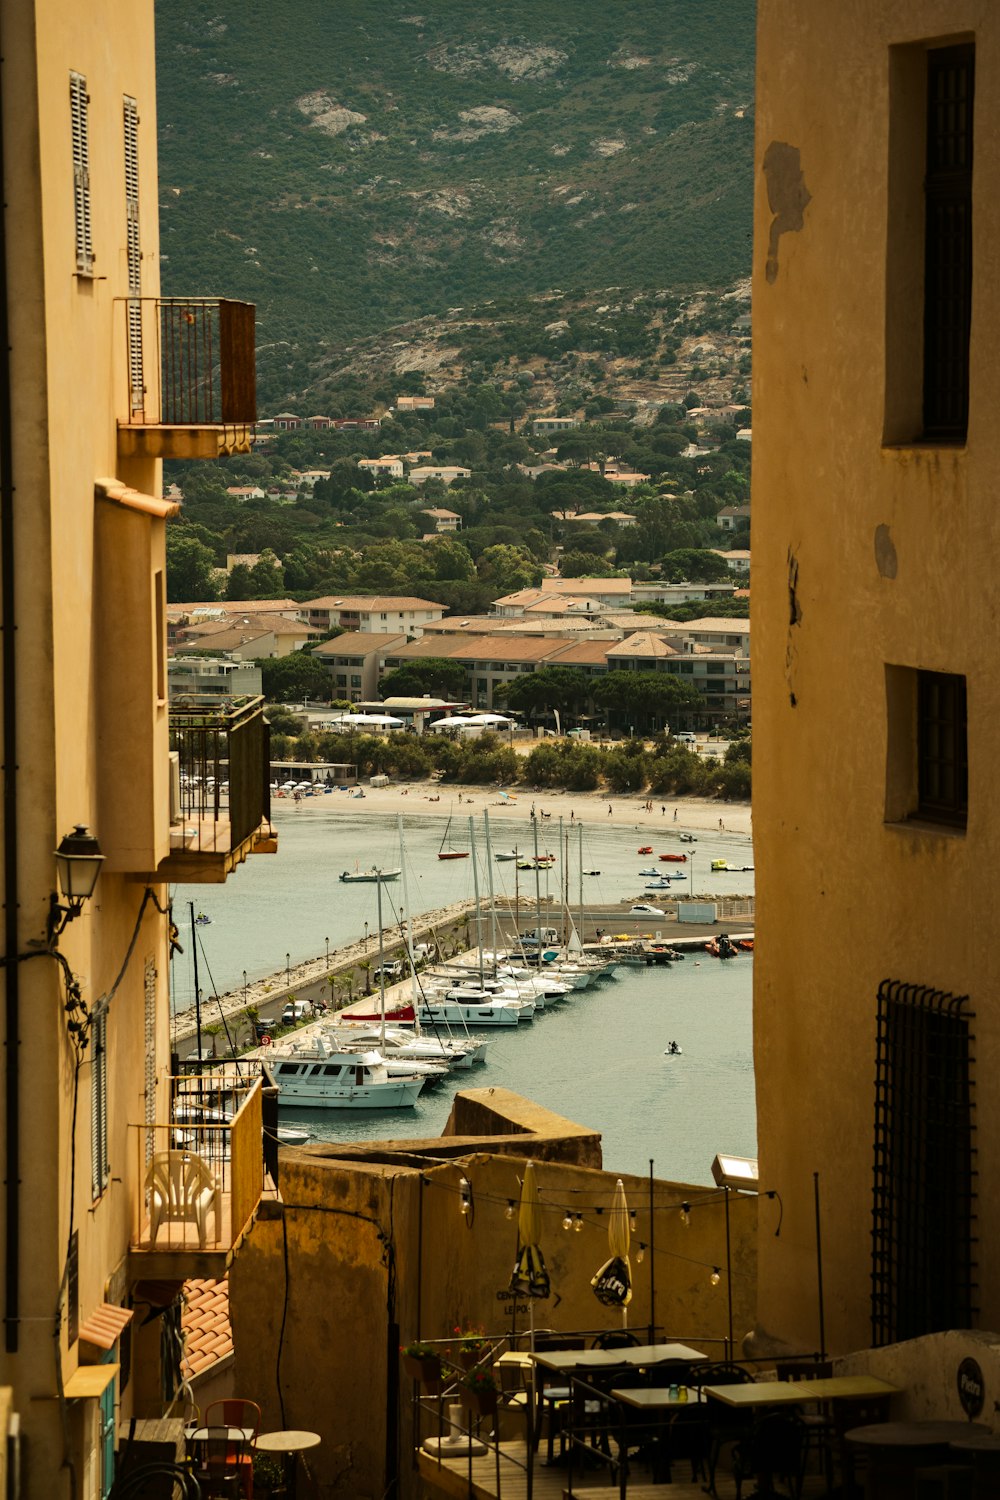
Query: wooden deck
x=449, y=1479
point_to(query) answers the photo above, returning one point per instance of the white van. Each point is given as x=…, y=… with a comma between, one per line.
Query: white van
x=546, y=935
x=296, y=1011
x=686, y=739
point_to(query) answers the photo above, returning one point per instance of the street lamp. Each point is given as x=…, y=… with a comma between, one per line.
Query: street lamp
x=327, y=941
x=366, y=936
x=692, y=874
x=244, y=986
x=78, y=864
x=288, y=969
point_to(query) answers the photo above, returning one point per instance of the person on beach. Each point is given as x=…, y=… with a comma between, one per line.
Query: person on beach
x=663, y=811
x=609, y=809
x=675, y=815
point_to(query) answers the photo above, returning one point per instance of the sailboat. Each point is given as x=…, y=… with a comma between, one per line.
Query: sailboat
x=449, y=852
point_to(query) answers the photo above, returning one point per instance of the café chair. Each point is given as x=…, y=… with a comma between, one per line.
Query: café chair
x=617, y=1339
x=235, y=1411
x=774, y=1449
x=818, y=1421
x=552, y=1399
x=216, y=1463
x=182, y=1189
x=726, y=1424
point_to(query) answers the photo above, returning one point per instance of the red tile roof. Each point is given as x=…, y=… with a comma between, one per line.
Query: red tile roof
x=208, y=1335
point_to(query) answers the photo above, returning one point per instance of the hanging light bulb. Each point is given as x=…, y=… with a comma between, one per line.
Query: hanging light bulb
x=509, y=1210
x=631, y=1222
x=640, y=1254
x=715, y=1278
x=686, y=1215
x=578, y=1223
x=568, y=1220
x=464, y=1195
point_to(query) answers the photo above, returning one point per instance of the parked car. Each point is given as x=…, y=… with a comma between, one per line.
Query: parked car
x=643, y=909
x=296, y=1011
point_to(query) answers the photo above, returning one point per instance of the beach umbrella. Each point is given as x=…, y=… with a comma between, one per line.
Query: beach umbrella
x=530, y=1278
x=454, y=723
x=613, y=1282
x=349, y=721
x=488, y=719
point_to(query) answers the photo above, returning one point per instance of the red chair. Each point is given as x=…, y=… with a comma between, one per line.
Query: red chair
x=234, y=1411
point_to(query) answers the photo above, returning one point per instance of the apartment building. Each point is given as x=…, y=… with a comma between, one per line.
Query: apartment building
x=372, y=614
x=88, y=735
x=355, y=662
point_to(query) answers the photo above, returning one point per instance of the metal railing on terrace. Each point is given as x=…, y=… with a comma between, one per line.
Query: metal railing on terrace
x=221, y=793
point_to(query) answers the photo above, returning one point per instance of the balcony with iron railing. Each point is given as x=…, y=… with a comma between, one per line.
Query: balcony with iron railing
x=202, y=1177
x=220, y=792
x=191, y=372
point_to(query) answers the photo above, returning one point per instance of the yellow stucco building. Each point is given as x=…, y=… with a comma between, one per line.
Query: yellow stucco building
x=89, y=403
x=876, y=701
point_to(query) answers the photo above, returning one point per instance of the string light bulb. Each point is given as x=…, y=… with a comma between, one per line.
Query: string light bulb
x=509, y=1210
x=686, y=1215
x=568, y=1220
x=464, y=1196
x=715, y=1277
x=631, y=1222
x=640, y=1254
x=578, y=1223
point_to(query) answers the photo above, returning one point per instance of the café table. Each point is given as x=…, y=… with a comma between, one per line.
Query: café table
x=981, y=1451
x=288, y=1445
x=896, y=1449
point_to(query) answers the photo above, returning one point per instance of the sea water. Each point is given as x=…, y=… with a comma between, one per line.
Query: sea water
x=598, y=1059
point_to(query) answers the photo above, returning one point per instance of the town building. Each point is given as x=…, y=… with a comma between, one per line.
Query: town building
x=447, y=473
x=876, y=710
x=444, y=520
x=355, y=661
x=387, y=467
x=733, y=518
x=216, y=677
x=374, y=614
x=414, y=403
x=96, y=764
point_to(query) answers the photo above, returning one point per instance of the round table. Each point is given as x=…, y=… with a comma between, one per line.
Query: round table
x=982, y=1451
x=288, y=1444
x=896, y=1449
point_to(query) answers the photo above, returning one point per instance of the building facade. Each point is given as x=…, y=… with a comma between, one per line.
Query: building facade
x=87, y=731
x=877, y=1027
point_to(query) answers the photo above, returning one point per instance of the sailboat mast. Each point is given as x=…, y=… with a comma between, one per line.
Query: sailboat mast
x=197, y=991
x=538, y=894
x=579, y=840
x=409, y=928
x=563, y=877
x=475, y=889
x=489, y=887
x=381, y=957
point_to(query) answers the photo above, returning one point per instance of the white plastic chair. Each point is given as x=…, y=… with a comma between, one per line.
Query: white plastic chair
x=181, y=1190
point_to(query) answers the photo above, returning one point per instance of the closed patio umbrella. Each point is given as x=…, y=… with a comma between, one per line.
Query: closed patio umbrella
x=613, y=1282
x=530, y=1278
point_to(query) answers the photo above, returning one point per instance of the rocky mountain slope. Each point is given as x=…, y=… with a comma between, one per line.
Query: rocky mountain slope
x=349, y=166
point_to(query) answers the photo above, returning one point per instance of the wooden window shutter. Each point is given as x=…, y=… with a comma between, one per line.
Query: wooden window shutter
x=79, y=101
x=100, y=1171
x=134, y=255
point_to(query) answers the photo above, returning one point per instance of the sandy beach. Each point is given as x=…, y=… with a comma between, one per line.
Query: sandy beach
x=415, y=799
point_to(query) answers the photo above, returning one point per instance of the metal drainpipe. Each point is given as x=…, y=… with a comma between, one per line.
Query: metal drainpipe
x=8, y=665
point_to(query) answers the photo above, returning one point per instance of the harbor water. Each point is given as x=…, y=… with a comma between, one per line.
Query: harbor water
x=598, y=1058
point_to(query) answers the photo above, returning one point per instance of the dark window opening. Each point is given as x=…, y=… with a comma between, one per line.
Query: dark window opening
x=948, y=242
x=942, y=748
x=924, y=1205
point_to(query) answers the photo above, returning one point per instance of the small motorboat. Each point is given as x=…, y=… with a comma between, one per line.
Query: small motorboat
x=505, y=854
x=648, y=849
x=673, y=1049
x=688, y=838
x=674, y=858
x=369, y=877
x=592, y=872
x=722, y=947
x=746, y=944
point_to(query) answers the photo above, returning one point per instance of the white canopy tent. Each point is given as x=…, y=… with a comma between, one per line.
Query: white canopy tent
x=363, y=721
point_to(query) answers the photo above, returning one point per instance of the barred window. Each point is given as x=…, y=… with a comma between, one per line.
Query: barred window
x=942, y=750
x=948, y=241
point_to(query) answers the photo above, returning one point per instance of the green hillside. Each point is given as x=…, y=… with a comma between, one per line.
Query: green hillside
x=347, y=165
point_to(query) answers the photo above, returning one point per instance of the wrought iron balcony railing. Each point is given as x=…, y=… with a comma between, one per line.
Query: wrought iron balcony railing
x=221, y=795
x=191, y=365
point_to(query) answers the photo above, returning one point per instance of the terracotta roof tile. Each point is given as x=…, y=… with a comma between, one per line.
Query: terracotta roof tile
x=208, y=1336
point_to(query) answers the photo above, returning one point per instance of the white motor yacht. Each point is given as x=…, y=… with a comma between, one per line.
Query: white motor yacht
x=316, y=1074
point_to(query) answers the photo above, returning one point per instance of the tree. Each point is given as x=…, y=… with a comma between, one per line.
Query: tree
x=298, y=676
x=585, y=565
x=190, y=567
x=563, y=689
x=433, y=675
x=644, y=700
x=509, y=568
x=266, y=577
x=694, y=564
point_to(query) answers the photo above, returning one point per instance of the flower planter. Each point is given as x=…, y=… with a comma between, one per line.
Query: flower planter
x=482, y=1403
x=426, y=1369
x=467, y=1358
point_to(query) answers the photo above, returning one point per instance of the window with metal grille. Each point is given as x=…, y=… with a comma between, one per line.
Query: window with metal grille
x=79, y=101
x=948, y=241
x=100, y=1170
x=924, y=1207
x=942, y=748
x=130, y=115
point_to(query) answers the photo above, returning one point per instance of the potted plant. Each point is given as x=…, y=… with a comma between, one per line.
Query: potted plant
x=477, y=1391
x=472, y=1345
x=422, y=1362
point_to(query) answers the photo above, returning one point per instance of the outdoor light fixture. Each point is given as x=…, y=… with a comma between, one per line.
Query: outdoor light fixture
x=578, y=1224
x=640, y=1254
x=735, y=1172
x=465, y=1196
x=715, y=1277
x=568, y=1220
x=509, y=1210
x=685, y=1215
x=78, y=864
